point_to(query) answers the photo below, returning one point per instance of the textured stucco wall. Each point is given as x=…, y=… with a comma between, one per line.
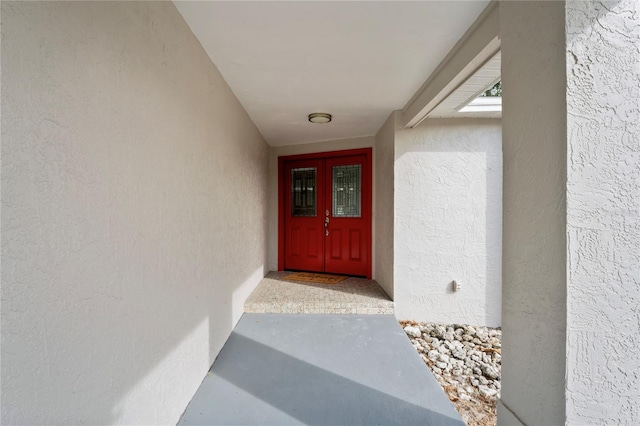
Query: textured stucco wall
x=282, y=151
x=603, y=212
x=134, y=194
x=448, y=219
x=534, y=243
x=383, y=206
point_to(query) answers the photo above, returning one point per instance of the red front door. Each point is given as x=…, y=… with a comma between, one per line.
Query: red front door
x=305, y=232
x=327, y=213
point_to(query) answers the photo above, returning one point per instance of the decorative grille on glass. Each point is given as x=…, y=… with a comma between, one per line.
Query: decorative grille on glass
x=303, y=191
x=346, y=191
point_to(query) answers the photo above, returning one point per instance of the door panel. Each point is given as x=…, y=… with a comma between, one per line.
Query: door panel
x=295, y=241
x=314, y=242
x=355, y=242
x=326, y=214
x=335, y=241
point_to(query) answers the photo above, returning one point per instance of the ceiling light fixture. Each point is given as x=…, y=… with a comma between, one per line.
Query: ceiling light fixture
x=320, y=117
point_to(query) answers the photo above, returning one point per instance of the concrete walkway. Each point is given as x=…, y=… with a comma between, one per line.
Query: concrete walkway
x=280, y=369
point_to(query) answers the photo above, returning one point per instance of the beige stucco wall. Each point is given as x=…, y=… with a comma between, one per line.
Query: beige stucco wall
x=448, y=221
x=534, y=224
x=134, y=194
x=283, y=151
x=571, y=205
x=383, y=216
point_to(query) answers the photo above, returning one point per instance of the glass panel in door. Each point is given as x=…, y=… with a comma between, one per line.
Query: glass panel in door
x=346, y=192
x=303, y=192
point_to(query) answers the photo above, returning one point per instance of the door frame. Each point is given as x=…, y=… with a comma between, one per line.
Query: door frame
x=367, y=196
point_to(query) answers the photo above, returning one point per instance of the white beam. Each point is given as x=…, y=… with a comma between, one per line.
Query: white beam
x=478, y=45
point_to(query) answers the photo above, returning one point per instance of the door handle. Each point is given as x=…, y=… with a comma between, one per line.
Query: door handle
x=326, y=222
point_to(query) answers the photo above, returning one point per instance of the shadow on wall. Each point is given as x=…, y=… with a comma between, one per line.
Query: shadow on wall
x=172, y=360
x=449, y=221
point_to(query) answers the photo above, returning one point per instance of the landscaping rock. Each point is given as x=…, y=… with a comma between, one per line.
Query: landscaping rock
x=466, y=361
x=413, y=331
x=487, y=392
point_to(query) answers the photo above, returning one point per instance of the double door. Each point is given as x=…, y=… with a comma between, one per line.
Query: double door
x=327, y=214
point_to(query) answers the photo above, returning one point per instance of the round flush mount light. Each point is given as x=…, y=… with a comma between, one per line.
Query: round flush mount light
x=320, y=117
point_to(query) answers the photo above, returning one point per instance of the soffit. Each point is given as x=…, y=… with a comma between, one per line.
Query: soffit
x=486, y=76
x=356, y=60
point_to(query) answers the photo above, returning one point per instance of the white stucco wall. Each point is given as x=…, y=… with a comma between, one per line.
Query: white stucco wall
x=383, y=205
x=448, y=219
x=134, y=194
x=282, y=151
x=603, y=212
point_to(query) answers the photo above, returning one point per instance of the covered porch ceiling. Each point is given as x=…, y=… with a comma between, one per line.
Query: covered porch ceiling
x=356, y=60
